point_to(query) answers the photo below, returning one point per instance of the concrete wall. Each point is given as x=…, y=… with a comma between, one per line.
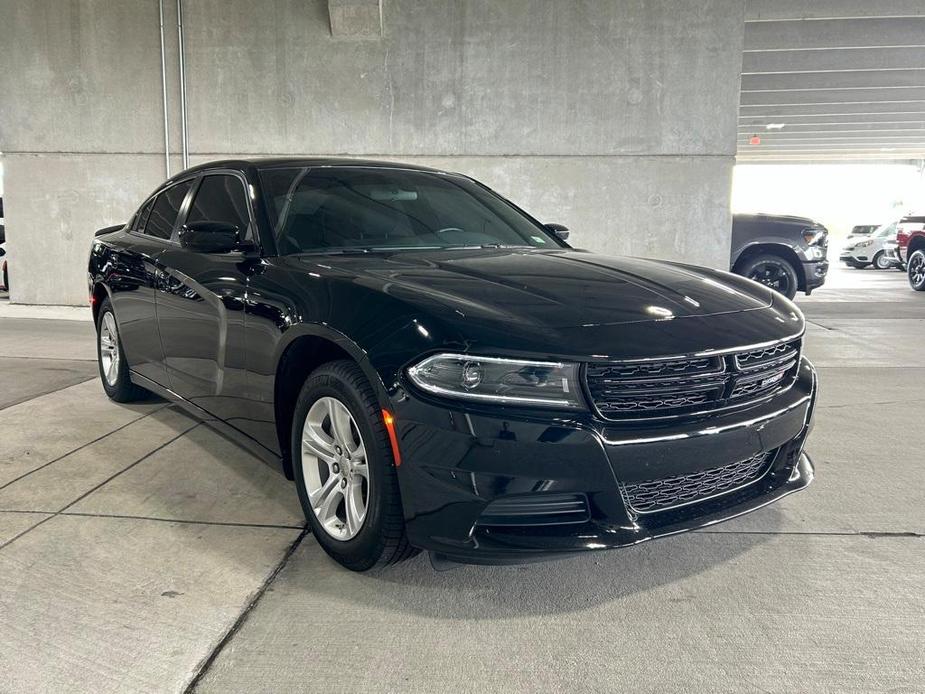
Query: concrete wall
x=614, y=117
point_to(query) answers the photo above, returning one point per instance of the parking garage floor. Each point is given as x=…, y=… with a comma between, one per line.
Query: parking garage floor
x=140, y=551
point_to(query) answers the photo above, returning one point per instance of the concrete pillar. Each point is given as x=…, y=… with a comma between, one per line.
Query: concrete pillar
x=355, y=19
x=616, y=118
x=81, y=131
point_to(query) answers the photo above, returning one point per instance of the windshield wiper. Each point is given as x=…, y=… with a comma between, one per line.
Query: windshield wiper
x=337, y=251
x=362, y=250
x=484, y=245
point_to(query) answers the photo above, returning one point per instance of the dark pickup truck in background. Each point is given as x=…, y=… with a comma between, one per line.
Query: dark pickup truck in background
x=785, y=253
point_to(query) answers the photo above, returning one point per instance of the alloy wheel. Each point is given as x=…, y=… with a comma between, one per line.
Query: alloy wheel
x=109, y=348
x=335, y=469
x=772, y=275
x=917, y=269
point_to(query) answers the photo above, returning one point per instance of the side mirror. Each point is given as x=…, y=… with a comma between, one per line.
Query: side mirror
x=2, y=252
x=210, y=237
x=559, y=230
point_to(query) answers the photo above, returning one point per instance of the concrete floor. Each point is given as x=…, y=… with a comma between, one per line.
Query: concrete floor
x=139, y=551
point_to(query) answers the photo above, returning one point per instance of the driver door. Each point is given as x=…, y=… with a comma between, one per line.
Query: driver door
x=200, y=303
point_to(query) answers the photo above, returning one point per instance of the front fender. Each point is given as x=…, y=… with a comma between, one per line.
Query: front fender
x=356, y=352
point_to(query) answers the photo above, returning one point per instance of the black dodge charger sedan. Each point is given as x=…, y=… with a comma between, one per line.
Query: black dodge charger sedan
x=435, y=369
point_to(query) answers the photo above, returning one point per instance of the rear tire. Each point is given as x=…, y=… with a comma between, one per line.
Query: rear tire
x=881, y=262
x=111, y=359
x=916, y=270
x=774, y=272
x=340, y=447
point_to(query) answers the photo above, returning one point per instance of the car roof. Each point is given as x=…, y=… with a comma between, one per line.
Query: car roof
x=319, y=162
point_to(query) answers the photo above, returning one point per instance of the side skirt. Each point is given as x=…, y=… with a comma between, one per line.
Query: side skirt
x=226, y=430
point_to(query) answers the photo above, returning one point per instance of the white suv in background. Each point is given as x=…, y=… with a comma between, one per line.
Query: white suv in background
x=861, y=252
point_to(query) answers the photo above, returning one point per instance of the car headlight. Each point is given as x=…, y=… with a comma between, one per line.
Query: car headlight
x=816, y=253
x=504, y=381
x=863, y=244
x=813, y=237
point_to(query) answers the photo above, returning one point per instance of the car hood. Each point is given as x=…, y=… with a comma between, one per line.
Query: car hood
x=555, y=289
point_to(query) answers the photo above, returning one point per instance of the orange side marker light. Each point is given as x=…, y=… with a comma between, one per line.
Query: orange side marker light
x=393, y=439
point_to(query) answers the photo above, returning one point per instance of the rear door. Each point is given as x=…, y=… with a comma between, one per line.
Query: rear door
x=200, y=303
x=134, y=280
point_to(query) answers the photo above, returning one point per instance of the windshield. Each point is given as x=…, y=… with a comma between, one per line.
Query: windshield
x=362, y=209
x=886, y=230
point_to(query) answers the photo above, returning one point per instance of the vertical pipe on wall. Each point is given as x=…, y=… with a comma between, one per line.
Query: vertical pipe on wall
x=183, y=126
x=160, y=4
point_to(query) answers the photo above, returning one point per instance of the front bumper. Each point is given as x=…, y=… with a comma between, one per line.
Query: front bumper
x=853, y=259
x=858, y=256
x=814, y=272
x=456, y=463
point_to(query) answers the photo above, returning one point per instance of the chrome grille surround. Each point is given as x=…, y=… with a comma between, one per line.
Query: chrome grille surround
x=652, y=496
x=700, y=384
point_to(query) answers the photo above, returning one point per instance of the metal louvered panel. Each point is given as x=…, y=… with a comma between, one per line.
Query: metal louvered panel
x=651, y=496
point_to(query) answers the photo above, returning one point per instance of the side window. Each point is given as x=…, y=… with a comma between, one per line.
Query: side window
x=139, y=223
x=221, y=198
x=166, y=208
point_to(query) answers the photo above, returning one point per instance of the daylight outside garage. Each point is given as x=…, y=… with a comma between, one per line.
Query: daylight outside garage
x=533, y=345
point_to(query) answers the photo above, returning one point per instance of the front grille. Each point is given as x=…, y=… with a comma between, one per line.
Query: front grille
x=757, y=358
x=662, y=494
x=676, y=367
x=672, y=387
x=536, y=509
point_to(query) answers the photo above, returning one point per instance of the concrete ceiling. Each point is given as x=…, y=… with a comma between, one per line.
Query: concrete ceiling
x=846, y=78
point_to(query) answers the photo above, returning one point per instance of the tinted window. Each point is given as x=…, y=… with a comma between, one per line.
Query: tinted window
x=331, y=208
x=166, y=208
x=139, y=221
x=220, y=199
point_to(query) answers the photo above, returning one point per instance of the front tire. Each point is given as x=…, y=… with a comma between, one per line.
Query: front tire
x=111, y=359
x=774, y=272
x=916, y=270
x=344, y=469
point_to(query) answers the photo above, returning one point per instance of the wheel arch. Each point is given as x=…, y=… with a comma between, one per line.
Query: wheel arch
x=916, y=243
x=304, y=349
x=97, y=296
x=779, y=249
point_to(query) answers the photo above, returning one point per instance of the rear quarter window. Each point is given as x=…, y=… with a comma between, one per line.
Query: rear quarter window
x=165, y=211
x=138, y=223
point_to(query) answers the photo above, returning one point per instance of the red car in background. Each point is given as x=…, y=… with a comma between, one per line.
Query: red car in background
x=910, y=249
